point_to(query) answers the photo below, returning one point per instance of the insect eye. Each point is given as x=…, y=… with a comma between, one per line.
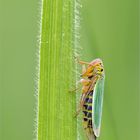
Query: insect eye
x=101, y=70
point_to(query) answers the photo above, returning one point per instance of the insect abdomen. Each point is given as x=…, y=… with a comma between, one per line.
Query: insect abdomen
x=87, y=110
x=87, y=117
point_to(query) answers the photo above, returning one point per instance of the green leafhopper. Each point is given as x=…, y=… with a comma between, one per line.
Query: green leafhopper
x=91, y=101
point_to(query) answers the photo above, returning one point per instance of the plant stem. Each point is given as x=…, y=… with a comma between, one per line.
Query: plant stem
x=56, y=106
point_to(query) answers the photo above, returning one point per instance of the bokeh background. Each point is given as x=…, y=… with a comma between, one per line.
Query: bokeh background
x=109, y=31
x=19, y=26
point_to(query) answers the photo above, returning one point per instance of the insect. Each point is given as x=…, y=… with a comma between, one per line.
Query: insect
x=91, y=101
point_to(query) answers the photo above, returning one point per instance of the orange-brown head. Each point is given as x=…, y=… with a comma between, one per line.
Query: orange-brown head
x=95, y=67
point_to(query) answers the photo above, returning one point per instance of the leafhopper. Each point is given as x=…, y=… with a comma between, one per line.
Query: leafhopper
x=91, y=101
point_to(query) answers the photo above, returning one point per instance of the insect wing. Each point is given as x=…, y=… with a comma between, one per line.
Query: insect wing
x=97, y=105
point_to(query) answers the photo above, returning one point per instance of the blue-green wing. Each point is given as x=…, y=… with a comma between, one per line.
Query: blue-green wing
x=97, y=105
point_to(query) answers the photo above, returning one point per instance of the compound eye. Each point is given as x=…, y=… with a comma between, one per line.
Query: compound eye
x=101, y=70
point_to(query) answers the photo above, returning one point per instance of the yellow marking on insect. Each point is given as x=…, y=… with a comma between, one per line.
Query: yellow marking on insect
x=90, y=111
x=89, y=104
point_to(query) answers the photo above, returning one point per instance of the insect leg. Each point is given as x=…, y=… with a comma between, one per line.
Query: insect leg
x=80, y=106
x=77, y=87
x=83, y=69
x=74, y=90
x=81, y=62
x=86, y=84
x=90, y=88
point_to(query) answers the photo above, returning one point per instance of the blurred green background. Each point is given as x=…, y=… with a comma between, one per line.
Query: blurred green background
x=19, y=26
x=109, y=31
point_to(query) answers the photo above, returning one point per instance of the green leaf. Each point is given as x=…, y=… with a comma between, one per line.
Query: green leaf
x=56, y=106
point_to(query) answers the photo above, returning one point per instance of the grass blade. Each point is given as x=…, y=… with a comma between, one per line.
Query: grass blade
x=56, y=106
